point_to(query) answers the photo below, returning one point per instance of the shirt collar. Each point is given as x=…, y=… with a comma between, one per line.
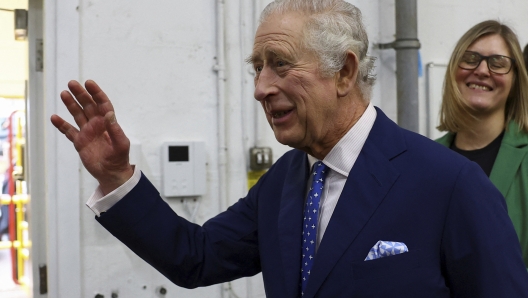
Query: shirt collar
x=342, y=157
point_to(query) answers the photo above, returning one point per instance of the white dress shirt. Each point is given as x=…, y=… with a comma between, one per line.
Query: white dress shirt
x=99, y=203
x=340, y=160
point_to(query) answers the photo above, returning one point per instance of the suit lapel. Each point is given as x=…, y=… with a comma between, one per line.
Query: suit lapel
x=290, y=223
x=367, y=185
x=509, y=158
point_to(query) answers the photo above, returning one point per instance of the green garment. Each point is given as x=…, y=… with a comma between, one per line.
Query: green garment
x=510, y=175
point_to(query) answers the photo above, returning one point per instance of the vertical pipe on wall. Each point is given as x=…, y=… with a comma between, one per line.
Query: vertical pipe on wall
x=220, y=70
x=257, y=7
x=262, y=129
x=248, y=119
x=407, y=64
x=222, y=147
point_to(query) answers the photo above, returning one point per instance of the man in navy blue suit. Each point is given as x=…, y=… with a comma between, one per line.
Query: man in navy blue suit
x=397, y=214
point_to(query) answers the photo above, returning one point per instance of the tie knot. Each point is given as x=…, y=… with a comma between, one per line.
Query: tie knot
x=319, y=171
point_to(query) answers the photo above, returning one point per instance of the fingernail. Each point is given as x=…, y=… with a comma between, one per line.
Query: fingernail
x=112, y=118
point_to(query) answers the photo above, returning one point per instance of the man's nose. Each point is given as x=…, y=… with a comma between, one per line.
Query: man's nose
x=265, y=83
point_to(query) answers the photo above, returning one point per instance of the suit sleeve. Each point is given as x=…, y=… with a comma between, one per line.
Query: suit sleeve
x=223, y=249
x=481, y=251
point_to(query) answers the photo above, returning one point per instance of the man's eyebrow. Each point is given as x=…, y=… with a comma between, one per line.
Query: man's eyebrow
x=255, y=57
x=251, y=59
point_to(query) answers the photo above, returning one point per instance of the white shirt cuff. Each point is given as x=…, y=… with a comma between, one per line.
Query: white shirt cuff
x=99, y=203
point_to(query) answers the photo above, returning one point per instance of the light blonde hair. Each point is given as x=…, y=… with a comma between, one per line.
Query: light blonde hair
x=525, y=54
x=455, y=113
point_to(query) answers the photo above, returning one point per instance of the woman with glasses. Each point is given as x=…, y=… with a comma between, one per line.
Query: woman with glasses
x=485, y=113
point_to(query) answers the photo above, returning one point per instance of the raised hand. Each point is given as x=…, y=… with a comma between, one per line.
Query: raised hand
x=101, y=143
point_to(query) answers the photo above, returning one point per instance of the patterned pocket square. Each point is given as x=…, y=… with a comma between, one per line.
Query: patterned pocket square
x=386, y=249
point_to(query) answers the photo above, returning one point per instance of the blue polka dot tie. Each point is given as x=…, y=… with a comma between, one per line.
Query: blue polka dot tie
x=311, y=215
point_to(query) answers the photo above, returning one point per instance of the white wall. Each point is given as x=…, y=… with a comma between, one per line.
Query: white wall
x=155, y=60
x=156, y=63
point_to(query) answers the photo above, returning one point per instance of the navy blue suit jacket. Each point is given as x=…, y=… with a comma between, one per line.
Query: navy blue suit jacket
x=403, y=187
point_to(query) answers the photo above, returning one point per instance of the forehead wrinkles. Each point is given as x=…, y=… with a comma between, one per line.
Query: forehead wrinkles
x=277, y=44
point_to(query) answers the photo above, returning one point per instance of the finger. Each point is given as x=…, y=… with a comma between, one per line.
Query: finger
x=64, y=127
x=96, y=92
x=74, y=108
x=99, y=96
x=119, y=140
x=84, y=98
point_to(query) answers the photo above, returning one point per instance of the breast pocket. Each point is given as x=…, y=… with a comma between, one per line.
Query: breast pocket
x=387, y=266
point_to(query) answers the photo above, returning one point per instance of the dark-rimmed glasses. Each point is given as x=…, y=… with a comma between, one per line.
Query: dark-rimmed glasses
x=498, y=64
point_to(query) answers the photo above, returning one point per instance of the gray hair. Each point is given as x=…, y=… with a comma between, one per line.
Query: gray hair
x=333, y=28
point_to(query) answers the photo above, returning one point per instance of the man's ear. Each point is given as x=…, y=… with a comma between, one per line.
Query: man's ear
x=346, y=77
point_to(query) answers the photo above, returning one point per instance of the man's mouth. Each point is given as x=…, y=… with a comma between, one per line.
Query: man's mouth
x=480, y=87
x=280, y=114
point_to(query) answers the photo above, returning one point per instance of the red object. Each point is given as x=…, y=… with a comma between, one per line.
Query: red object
x=11, y=191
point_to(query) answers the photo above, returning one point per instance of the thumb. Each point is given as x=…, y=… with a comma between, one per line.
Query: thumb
x=117, y=135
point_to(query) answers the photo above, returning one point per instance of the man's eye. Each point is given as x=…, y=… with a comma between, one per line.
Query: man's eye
x=281, y=63
x=258, y=68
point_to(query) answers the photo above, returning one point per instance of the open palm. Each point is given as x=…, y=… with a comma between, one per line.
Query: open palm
x=99, y=140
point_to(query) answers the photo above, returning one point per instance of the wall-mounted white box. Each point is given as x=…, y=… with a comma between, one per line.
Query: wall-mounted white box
x=183, y=169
